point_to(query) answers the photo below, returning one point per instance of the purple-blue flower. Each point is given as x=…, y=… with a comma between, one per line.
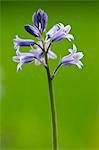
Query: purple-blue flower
x=39, y=24
x=59, y=32
x=23, y=58
x=73, y=58
x=32, y=30
x=18, y=42
x=40, y=20
x=41, y=49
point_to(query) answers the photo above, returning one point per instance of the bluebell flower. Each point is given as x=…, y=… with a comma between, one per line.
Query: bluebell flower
x=73, y=58
x=33, y=30
x=59, y=32
x=54, y=30
x=40, y=55
x=40, y=20
x=22, y=42
x=42, y=49
x=23, y=58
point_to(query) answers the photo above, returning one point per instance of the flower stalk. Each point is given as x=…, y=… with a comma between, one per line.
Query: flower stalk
x=53, y=112
x=40, y=52
x=52, y=104
x=55, y=71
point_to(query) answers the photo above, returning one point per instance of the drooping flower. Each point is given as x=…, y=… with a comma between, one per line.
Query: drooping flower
x=23, y=58
x=40, y=20
x=22, y=42
x=73, y=58
x=38, y=53
x=59, y=32
x=54, y=30
x=33, y=30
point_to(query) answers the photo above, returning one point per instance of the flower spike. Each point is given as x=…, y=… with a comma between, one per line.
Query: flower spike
x=41, y=51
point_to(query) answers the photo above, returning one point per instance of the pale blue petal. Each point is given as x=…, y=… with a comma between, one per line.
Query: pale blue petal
x=67, y=28
x=69, y=37
x=16, y=58
x=19, y=66
x=52, y=55
x=74, y=48
x=78, y=55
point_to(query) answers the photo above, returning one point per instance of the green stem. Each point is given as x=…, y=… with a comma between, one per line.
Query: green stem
x=53, y=112
x=55, y=71
x=52, y=104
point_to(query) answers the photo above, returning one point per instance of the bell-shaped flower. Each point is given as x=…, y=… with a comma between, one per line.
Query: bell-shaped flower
x=73, y=58
x=32, y=30
x=22, y=42
x=40, y=20
x=60, y=35
x=23, y=58
x=54, y=30
x=59, y=32
x=40, y=54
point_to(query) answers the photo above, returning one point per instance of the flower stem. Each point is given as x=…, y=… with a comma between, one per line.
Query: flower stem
x=53, y=112
x=52, y=104
x=55, y=71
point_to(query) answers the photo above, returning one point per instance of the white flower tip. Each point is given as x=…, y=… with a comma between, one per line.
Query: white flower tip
x=69, y=37
x=79, y=64
x=16, y=36
x=19, y=67
x=70, y=50
x=67, y=28
x=72, y=37
x=81, y=55
x=14, y=58
x=80, y=67
x=74, y=47
x=60, y=25
x=15, y=42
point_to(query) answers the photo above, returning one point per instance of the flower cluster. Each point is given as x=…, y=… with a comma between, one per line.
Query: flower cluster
x=41, y=48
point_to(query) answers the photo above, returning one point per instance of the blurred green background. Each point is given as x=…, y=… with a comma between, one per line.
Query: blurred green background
x=24, y=102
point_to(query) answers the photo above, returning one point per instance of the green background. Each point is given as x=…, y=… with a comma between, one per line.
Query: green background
x=24, y=102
